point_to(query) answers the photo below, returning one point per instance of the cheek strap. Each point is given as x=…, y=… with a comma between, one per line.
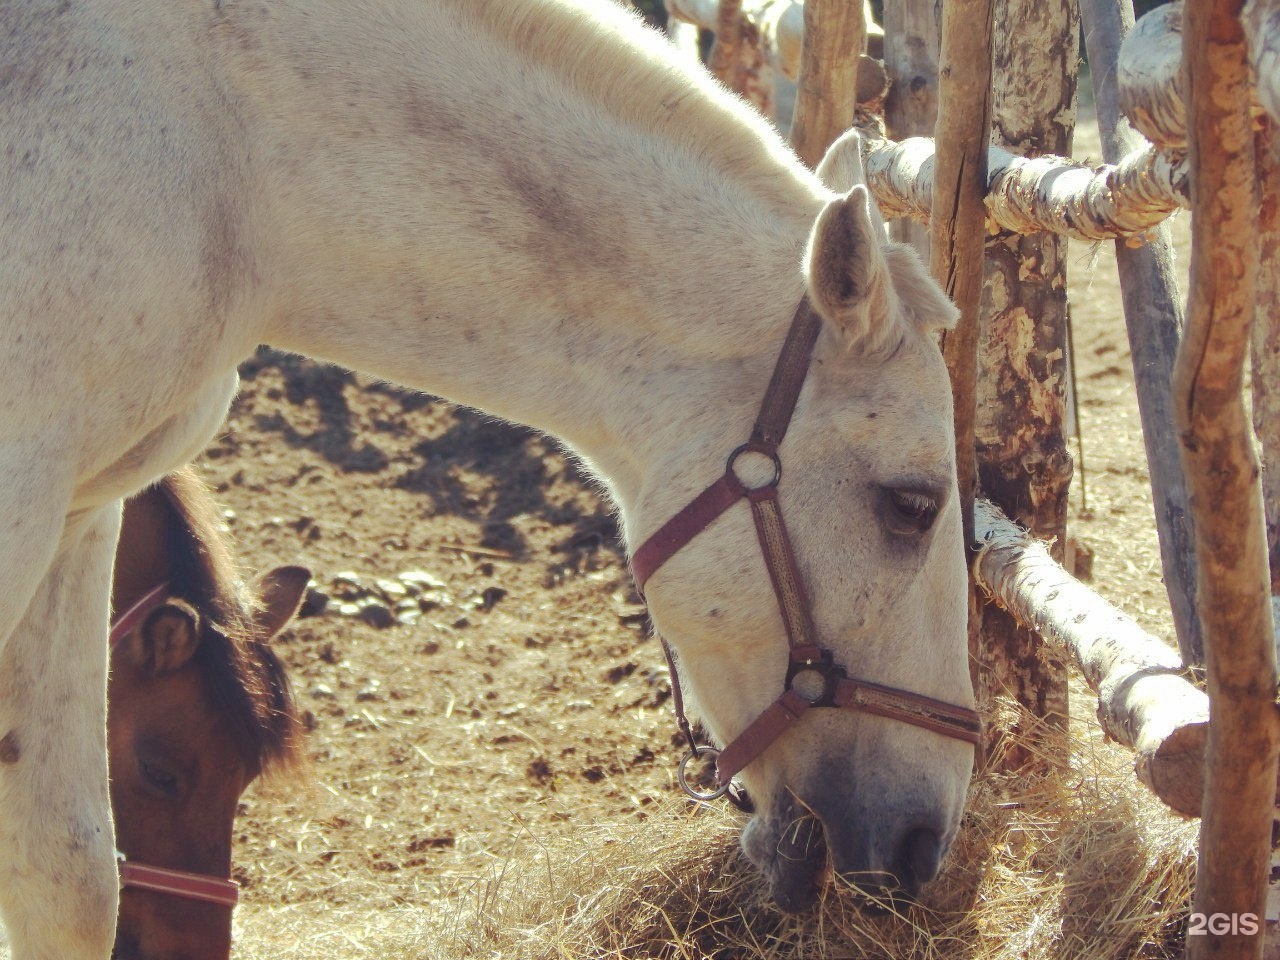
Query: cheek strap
x=827, y=684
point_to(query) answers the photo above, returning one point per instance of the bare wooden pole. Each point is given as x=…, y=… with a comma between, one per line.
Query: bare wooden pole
x=958, y=232
x=912, y=44
x=1222, y=470
x=739, y=59
x=835, y=32
x=723, y=61
x=754, y=79
x=1023, y=461
x=959, y=216
x=1153, y=318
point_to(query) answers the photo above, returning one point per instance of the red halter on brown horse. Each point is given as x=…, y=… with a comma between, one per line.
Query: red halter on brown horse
x=199, y=707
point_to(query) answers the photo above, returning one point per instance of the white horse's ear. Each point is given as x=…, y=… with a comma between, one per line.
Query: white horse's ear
x=841, y=169
x=849, y=280
x=167, y=639
x=923, y=301
x=282, y=591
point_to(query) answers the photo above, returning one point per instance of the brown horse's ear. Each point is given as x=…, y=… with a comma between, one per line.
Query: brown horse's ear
x=849, y=281
x=282, y=591
x=168, y=638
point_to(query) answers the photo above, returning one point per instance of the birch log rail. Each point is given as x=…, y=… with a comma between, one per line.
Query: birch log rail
x=1151, y=74
x=1026, y=195
x=1150, y=77
x=1144, y=701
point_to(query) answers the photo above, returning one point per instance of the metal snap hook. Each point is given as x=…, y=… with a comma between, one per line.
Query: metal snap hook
x=703, y=796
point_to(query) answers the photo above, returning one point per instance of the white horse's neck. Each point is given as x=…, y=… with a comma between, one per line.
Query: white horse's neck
x=526, y=216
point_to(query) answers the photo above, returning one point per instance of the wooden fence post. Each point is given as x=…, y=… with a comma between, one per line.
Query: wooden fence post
x=835, y=31
x=958, y=232
x=912, y=46
x=1153, y=317
x=958, y=220
x=738, y=58
x=1023, y=462
x=1222, y=472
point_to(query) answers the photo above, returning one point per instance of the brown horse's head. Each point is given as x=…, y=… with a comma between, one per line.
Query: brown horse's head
x=195, y=716
x=199, y=707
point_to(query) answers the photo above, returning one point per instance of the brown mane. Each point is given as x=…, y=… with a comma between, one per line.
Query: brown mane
x=244, y=677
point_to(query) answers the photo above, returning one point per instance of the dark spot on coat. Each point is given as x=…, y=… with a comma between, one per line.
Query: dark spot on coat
x=10, y=752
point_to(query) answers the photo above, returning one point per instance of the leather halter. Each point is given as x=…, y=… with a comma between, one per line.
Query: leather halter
x=178, y=883
x=142, y=876
x=823, y=683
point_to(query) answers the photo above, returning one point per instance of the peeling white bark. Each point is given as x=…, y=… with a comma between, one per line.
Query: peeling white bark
x=1151, y=72
x=1144, y=702
x=1026, y=195
x=1150, y=77
x=1262, y=24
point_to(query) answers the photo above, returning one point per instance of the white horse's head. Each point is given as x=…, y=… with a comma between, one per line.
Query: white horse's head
x=868, y=490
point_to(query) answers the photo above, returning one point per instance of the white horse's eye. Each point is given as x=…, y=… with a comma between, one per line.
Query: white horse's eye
x=911, y=511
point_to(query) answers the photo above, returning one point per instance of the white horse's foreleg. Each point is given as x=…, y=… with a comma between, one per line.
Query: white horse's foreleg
x=58, y=886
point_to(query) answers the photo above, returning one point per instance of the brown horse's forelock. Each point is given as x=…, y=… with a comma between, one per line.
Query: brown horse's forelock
x=244, y=678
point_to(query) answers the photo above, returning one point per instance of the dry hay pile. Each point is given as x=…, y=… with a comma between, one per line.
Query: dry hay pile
x=1082, y=863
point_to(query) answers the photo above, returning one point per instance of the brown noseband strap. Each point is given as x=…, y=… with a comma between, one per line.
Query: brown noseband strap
x=807, y=656
x=178, y=883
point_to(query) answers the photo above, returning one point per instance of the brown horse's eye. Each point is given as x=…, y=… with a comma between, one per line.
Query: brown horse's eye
x=161, y=779
x=911, y=511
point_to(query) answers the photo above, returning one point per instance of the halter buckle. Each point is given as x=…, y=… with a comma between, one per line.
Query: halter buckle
x=825, y=670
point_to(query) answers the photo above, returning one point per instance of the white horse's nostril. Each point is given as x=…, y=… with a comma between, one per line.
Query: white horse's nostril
x=919, y=859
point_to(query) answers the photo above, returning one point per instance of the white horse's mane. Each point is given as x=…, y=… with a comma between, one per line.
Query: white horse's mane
x=647, y=79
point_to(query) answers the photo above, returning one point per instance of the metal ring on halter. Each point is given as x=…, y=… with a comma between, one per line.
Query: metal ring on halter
x=750, y=447
x=703, y=795
x=825, y=669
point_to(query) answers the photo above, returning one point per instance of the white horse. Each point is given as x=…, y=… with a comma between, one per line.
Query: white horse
x=528, y=206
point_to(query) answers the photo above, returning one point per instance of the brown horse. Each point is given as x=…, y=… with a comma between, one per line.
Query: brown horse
x=199, y=707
